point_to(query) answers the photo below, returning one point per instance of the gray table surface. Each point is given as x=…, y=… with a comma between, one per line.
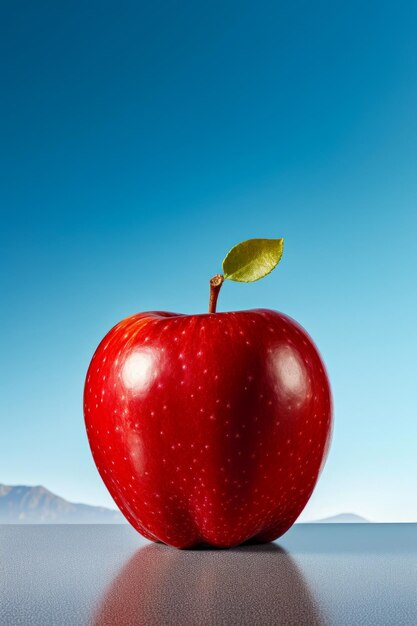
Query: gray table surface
x=108, y=575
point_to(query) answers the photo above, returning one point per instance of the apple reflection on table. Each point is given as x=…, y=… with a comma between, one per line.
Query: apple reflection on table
x=251, y=584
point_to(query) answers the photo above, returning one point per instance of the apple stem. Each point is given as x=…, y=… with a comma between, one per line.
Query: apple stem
x=215, y=285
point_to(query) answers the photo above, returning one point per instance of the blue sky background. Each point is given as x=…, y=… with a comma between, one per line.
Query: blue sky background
x=140, y=141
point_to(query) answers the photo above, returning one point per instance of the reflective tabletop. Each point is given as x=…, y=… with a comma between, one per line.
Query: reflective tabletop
x=108, y=575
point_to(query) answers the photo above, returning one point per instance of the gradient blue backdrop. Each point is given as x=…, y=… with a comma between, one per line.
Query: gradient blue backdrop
x=140, y=141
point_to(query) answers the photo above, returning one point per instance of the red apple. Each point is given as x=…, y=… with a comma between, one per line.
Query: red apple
x=210, y=428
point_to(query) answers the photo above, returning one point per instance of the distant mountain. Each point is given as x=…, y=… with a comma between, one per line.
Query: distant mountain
x=343, y=518
x=36, y=505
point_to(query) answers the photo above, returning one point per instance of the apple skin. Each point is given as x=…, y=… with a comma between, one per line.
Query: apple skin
x=208, y=429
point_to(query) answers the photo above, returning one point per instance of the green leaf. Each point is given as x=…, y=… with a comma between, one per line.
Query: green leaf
x=252, y=259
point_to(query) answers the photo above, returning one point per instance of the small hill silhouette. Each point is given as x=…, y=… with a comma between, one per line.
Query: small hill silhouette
x=343, y=518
